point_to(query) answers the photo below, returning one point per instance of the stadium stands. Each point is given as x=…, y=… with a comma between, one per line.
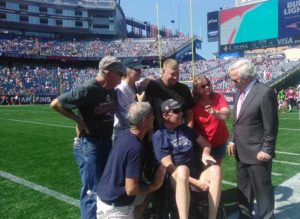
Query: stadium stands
x=49, y=79
x=38, y=47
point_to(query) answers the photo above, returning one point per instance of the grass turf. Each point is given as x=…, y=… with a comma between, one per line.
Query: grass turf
x=36, y=145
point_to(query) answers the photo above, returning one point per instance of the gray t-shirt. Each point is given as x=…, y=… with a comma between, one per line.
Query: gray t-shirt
x=96, y=106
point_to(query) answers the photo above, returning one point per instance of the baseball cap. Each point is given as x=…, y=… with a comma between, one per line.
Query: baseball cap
x=169, y=105
x=134, y=63
x=111, y=64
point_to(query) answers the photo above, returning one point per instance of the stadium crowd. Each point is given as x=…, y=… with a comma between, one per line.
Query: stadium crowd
x=49, y=79
x=30, y=79
x=86, y=48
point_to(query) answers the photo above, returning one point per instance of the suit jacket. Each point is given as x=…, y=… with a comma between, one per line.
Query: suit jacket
x=256, y=127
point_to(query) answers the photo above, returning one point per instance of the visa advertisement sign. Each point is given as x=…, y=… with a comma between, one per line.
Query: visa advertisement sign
x=289, y=18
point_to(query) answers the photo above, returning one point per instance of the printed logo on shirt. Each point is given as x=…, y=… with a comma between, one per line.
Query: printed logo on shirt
x=107, y=108
x=181, y=142
x=108, y=98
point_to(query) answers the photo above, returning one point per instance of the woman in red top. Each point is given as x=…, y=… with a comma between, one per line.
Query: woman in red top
x=210, y=111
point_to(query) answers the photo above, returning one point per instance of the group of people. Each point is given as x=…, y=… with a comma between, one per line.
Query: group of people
x=123, y=124
x=288, y=98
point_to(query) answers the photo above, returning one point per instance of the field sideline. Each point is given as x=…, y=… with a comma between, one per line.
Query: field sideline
x=39, y=177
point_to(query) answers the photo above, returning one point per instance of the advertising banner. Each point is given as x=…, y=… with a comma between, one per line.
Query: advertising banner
x=287, y=41
x=289, y=18
x=213, y=26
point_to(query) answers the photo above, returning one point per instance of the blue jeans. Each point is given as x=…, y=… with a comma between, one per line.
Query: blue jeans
x=91, y=155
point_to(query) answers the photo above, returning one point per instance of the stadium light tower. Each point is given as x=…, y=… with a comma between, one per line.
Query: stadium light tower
x=173, y=27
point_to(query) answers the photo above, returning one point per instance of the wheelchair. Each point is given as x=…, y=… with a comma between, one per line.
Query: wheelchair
x=166, y=208
x=164, y=205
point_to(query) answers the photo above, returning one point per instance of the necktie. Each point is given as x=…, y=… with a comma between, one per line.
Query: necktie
x=240, y=102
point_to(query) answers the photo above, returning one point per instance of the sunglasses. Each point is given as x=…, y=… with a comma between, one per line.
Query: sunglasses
x=176, y=111
x=205, y=85
x=236, y=81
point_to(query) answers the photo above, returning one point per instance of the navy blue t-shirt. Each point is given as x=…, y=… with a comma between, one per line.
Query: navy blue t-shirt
x=178, y=143
x=124, y=161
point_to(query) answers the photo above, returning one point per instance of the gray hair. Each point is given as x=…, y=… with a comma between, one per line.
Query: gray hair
x=101, y=74
x=244, y=67
x=127, y=71
x=137, y=111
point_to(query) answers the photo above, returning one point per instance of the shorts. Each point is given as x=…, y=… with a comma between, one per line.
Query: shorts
x=291, y=102
x=218, y=152
x=105, y=211
x=281, y=103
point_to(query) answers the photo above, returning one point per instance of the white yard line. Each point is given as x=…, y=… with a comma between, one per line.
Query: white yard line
x=228, y=183
x=65, y=126
x=276, y=174
x=42, y=189
x=289, y=119
x=287, y=153
x=287, y=162
x=38, y=123
x=289, y=129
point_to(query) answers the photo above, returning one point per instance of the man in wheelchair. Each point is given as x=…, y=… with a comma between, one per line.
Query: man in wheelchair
x=174, y=148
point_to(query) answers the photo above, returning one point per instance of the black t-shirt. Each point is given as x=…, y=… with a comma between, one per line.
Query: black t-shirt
x=157, y=92
x=96, y=106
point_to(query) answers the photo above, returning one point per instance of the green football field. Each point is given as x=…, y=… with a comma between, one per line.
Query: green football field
x=39, y=177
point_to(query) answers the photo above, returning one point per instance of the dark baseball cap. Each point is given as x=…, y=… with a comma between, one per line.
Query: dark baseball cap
x=134, y=63
x=111, y=64
x=169, y=105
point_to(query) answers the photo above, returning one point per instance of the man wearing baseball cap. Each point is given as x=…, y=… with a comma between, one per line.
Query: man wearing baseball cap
x=95, y=101
x=127, y=93
x=174, y=146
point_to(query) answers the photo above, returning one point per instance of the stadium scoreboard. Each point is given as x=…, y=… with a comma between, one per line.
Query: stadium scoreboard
x=256, y=24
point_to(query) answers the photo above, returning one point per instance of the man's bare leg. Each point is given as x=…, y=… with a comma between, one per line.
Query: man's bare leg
x=180, y=183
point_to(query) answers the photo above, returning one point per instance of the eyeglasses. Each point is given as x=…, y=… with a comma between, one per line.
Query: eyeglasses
x=147, y=116
x=205, y=85
x=176, y=111
x=236, y=81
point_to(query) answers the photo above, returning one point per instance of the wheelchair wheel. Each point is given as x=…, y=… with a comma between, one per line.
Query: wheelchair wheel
x=221, y=212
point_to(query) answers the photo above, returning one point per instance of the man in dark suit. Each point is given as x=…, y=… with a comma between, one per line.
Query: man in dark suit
x=254, y=135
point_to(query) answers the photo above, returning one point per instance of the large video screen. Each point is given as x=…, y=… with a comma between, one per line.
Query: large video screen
x=248, y=23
